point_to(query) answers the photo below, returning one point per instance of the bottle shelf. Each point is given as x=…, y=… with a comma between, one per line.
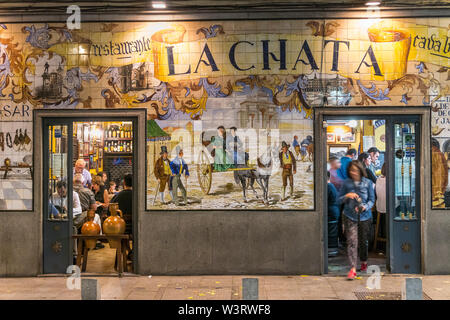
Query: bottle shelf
x=113, y=154
x=118, y=139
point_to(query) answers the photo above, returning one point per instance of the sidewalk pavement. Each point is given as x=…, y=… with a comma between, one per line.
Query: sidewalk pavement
x=296, y=287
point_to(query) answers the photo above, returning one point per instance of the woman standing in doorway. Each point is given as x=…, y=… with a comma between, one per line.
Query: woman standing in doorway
x=357, y=195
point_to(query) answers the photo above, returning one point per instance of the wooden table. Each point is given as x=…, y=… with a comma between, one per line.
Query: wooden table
x=121, y=257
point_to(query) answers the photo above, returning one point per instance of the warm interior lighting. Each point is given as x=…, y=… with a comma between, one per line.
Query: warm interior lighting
x=158, y=5
x=373, y=3
x=339, y=131
x=352, y=123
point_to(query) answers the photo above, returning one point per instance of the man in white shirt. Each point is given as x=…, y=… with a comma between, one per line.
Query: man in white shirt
x=60, y=200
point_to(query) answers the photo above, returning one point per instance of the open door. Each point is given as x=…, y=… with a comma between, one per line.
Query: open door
x=57, y=193
x=404, y=203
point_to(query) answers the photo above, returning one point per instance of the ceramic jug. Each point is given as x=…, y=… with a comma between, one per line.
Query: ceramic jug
x=114, y=224
x=90, y=228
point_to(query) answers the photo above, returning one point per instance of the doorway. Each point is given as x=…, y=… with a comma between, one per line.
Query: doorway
x=88, y=162
x=391, y=143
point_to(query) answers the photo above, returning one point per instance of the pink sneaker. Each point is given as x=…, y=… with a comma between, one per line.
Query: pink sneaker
x=351, y=275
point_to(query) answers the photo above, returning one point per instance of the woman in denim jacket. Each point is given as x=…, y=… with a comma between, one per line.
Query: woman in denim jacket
x=357, y=195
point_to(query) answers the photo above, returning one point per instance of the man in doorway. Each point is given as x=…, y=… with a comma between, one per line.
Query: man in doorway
x=163, y=172
x=345, y=161
x=374, y=154
x=289, y=166
x=178, y=166
x=80, y=167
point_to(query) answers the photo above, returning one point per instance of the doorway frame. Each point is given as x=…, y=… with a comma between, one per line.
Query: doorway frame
x=372, y=113
x=138, y=116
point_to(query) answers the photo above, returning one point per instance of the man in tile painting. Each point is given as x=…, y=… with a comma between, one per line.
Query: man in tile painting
x=163, y=172
x=289, y=166
x=234, y=147
x=304, y=146
x=178, y=167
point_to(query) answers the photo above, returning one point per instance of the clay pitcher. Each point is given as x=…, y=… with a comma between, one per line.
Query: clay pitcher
x=114, y=224
x=90, y=228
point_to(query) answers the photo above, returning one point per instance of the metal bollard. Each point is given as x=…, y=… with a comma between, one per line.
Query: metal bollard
x=90, y=289
x=412, y=289
x=250, y=289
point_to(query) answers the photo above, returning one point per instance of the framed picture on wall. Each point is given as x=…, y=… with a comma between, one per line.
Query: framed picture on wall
x=348, y=137
x=331, y=137
x=338, y=150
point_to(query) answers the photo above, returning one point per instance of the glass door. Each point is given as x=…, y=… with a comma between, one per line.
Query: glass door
x=57, y=202
x=404, y=205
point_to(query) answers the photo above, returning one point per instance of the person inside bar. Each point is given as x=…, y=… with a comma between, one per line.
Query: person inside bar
x=125, y=200
x=333, y=218
x=105, y=180
x=101, y=196
x=60, y=202
x=374, y=155
x=345, y=161
x=366, y=161
x=80, y=167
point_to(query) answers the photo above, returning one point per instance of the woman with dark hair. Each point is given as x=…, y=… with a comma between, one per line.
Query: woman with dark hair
x=365, y=160
x=104, y=176
x=357, y=195
x=101, y=196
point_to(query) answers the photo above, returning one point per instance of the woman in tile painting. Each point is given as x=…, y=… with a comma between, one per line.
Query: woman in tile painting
x=221, y=159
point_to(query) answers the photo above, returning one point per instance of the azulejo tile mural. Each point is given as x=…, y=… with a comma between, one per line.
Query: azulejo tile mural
x=229, y=94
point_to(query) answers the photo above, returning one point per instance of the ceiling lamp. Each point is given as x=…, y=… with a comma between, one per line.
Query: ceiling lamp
x=373, y=3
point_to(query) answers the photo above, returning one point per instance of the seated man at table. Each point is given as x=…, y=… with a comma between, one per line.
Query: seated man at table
x=60, y=203
x=87, y=201
x=125, y=200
